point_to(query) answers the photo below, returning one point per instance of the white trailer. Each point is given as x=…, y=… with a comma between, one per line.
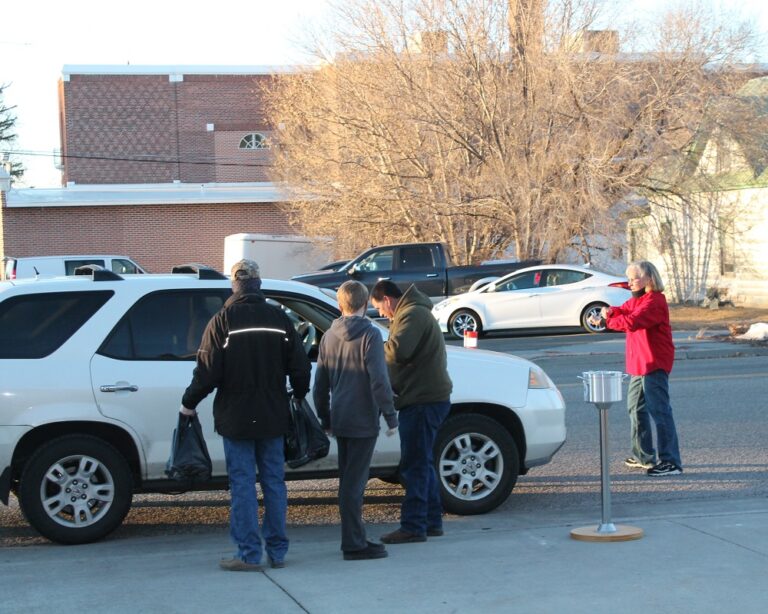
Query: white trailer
x=278, y=256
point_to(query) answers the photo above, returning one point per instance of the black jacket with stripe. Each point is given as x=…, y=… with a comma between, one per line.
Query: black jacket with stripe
x=248, y=349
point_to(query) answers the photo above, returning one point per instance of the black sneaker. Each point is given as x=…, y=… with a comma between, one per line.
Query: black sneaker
x=371, y=551
x=633, y=463
x=434, y=532
x=665, y=468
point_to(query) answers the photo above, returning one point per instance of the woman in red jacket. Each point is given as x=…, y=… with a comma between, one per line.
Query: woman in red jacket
x=650, y=354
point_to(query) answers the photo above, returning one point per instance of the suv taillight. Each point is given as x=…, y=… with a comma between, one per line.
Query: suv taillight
x=620, y=284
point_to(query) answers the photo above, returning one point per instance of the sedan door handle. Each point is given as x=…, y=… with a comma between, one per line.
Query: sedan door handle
x=119, y=388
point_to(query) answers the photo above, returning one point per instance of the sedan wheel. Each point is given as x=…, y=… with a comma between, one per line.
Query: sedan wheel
x=76, y=489
x=592, y=310
x=477, y=464
x=462, y=321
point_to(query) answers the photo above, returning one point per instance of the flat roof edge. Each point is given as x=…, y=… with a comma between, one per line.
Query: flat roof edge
x=170, y=69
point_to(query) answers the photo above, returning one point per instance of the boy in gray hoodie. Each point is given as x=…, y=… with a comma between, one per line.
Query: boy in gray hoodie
x=351, y=389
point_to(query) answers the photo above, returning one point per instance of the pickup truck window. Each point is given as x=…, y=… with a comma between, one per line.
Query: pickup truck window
x=417, y=258
x=376, y=261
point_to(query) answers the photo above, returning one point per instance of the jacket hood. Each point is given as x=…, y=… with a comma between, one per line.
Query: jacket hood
x=350, y=327
x=413, y=296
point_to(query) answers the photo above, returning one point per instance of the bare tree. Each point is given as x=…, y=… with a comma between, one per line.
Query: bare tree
x=7, y=135
x=486, y=123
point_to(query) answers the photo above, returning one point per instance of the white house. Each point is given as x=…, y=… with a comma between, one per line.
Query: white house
x=710, y=238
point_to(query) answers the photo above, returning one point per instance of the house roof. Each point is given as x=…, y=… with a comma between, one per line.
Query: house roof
x=742, y=119
x=146, y=194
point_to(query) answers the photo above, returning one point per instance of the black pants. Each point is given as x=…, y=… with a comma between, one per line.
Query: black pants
x=355, y=454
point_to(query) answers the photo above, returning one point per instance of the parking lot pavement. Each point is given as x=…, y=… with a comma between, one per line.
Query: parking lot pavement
x=688, y=346
x=694, y=557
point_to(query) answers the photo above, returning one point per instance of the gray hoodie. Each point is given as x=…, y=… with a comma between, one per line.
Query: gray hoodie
x=351, y=382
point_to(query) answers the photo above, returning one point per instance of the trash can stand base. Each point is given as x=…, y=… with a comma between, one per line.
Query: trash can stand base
x=623, y=533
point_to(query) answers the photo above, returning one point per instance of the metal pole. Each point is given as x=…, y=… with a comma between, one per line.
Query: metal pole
x=606, y=526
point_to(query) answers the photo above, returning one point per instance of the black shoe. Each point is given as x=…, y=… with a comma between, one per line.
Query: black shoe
x=276, y=564
x=665, y=468
x=369, y=552
x=236, y=564
x=633, y=463
x=402, y=537
x=434, y=532
x=375, y=546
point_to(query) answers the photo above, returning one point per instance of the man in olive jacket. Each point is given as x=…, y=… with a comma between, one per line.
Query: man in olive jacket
x=418, y=369
x=247, y=350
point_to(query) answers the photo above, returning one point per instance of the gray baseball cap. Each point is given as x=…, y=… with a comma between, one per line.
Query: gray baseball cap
x=245, y=269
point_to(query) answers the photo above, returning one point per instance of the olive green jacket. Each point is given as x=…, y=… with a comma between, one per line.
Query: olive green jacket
x=415, y=353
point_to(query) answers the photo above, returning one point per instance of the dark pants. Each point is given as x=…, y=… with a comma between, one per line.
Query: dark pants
x=648, y=398
x=243, y=456
x=422, y=507
x=355, y=454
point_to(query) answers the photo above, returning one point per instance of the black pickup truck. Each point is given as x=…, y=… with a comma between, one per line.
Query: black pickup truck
x=425, y=264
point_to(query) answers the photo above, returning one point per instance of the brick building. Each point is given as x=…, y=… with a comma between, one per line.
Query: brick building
x=158, y=162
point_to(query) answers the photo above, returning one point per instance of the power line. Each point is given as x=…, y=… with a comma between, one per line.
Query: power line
x=147, y=158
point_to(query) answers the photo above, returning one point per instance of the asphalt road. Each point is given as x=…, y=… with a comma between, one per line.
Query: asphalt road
x=719, y=406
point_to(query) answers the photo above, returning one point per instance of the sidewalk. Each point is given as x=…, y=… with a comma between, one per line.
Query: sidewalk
x=691, y=559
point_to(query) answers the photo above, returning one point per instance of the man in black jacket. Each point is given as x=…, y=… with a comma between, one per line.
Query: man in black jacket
x=247, y=350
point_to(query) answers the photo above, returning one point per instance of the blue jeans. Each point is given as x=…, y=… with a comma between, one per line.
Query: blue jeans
x=648, y=398
x=422, y=507
x=243, y=456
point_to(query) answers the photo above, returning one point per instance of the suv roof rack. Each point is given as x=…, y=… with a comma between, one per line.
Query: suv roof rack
x=97, y=273
x=202, y=271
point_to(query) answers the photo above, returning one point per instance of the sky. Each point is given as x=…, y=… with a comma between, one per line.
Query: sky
x=39, y=37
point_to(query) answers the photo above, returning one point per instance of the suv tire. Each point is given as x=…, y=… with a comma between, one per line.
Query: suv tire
x=477, y=464
x=76, y=489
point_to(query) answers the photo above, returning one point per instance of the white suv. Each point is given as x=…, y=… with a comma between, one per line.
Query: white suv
x=92, y=369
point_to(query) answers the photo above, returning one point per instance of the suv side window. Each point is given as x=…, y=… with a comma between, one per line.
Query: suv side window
x=36, y=325
x=166, y=325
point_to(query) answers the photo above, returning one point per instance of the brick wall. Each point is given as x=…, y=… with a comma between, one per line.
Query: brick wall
x=148, y=129
x=156, y=236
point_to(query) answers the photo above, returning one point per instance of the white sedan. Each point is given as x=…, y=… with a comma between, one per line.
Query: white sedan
x=555, y=295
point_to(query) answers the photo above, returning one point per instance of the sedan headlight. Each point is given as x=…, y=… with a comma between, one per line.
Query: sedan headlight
x=443, y=304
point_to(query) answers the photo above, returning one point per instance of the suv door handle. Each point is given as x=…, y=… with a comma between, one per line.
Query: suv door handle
x=119, y=388
x=384, y=278
x=431, y=274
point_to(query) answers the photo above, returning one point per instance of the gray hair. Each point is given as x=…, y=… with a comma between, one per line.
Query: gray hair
x=648, y=268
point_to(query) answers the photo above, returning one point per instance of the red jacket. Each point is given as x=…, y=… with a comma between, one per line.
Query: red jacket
x=645, y=319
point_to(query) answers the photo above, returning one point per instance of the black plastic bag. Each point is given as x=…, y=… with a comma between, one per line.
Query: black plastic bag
x=306, y=441
x=189, y=460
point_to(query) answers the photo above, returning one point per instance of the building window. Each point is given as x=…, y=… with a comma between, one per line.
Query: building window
x=727, y=239
x=255, y=140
